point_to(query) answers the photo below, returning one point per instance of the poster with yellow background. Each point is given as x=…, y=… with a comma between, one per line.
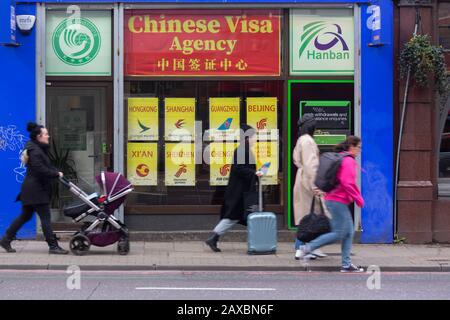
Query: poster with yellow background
x=221, y=158
x=142, y=160
x=262, y=115
x=142, y=119
x=266, y=153
x=179, y=119
x=224, y=118
x=180, y=164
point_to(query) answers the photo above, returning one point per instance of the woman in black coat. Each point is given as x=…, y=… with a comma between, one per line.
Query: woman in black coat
x=35, y=192
x=242, y=175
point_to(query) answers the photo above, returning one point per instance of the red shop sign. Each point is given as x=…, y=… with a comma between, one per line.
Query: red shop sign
x=202, y=43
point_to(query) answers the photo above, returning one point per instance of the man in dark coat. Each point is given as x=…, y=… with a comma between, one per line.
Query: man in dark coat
x=242, y=178
x=35, y=192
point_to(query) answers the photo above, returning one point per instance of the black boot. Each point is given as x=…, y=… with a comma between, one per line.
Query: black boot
x=54, y=248
x=5, y=243
x=212, y=242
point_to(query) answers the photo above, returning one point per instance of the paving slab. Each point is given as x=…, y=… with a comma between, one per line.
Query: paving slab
x=195, y=255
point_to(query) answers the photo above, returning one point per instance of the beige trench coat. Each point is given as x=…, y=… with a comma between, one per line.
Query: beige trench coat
x=306, y=158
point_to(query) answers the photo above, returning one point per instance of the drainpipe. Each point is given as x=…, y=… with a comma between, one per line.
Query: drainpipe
x=416, y=27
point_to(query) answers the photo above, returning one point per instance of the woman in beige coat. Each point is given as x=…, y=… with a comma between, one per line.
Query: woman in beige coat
x=306, y=158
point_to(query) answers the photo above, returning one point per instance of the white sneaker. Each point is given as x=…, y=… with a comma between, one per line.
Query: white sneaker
x=319, y=254
x=300, y=254
x=311, y=256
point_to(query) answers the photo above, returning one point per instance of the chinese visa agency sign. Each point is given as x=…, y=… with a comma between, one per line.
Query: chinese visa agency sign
x=322, y=42
x=202, y=43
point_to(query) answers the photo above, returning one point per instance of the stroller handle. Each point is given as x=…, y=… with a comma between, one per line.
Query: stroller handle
x=64, y=181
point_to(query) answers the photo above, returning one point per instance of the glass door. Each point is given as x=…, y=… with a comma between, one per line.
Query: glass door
x=331, y=102
x=79, y=119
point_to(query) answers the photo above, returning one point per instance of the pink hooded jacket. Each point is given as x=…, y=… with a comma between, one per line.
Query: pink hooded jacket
x=347, y=191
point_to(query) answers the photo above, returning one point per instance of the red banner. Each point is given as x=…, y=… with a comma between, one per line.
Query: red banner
x=202, y=42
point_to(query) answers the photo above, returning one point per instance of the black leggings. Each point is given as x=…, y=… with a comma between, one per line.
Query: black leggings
x=43, y=210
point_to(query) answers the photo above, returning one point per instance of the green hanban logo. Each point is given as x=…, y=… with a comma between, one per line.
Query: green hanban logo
x=76, y=42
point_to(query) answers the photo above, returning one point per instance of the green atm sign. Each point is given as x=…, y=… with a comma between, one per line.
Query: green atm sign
x=329, y=139
x=330, y=116
x=335, y=115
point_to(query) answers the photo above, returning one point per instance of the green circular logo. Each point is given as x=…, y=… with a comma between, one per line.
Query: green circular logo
x=76, y=41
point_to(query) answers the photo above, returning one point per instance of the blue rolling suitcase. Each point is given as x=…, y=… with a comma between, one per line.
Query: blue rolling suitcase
x=262, y=229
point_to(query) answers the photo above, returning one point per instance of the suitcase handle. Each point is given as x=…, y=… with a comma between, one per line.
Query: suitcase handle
x=260, y=202
x=260, y=197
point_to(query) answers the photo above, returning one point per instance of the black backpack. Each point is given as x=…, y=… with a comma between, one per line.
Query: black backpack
x=329, y=163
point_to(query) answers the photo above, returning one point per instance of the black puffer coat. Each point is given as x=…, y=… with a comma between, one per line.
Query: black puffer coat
x=241, y=177
x=36, y=188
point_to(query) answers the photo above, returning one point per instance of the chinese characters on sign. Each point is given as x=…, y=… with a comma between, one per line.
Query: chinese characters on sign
x=213, y=42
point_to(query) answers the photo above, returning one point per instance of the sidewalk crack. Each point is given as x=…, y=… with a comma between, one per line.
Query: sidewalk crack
x=93, y=291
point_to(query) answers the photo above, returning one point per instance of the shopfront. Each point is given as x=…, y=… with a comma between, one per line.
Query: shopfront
x=159, y=91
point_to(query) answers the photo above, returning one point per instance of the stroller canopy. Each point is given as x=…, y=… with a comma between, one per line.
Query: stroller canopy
x=113, y=185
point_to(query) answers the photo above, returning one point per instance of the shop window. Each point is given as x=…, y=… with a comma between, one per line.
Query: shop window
x=444, y=160
x=444, y=25
x=200, y=188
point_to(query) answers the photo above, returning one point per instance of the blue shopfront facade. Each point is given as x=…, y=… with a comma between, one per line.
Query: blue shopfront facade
x=24, y=96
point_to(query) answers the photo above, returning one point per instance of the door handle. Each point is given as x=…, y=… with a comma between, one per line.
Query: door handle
x=93, y=156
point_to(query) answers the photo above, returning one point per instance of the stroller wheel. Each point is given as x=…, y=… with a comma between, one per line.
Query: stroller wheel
x=123, y=246
x=79, y=244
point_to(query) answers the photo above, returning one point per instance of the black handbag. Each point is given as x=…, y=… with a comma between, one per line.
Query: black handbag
x=313, y=225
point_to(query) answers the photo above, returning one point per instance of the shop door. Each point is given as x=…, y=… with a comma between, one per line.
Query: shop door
x=79, y=119
x=332, y=104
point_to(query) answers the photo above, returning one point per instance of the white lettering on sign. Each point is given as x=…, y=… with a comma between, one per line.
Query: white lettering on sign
x=374, y=20
x=74, y=20
x=13, y=18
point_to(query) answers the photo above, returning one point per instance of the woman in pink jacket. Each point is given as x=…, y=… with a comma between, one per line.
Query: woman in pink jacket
x=337, y=202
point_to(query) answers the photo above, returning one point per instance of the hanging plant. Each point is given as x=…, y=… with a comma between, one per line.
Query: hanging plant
x=424, y=59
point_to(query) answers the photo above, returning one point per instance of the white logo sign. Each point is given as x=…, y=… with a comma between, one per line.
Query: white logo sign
x=78, y=43
x=374, y=280
x=25, y=22
x=322, y=42
x=74, y=280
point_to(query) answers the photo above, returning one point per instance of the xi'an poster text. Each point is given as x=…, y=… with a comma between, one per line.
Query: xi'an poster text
x=142, y=159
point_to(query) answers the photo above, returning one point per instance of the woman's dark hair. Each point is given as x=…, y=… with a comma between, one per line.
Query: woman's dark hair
x=307, y=125
x=351, y=141
x=34, y=129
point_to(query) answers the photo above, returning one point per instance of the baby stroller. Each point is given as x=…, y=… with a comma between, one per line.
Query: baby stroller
x=105, y=229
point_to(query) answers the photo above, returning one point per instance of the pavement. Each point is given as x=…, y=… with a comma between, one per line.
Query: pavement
x=195, y=255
